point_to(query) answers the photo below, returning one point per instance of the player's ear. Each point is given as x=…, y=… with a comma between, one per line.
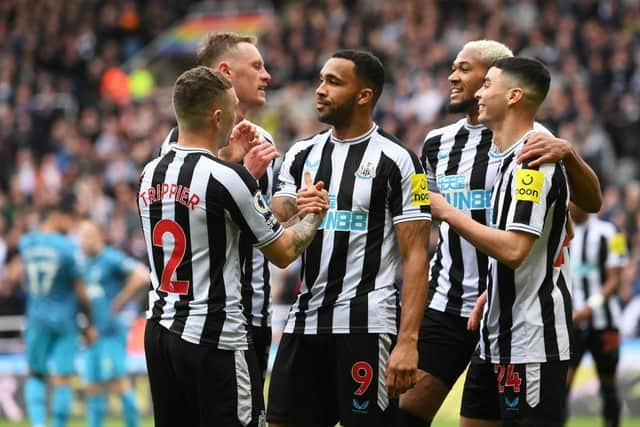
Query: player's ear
x=216, y=115
x=365, y=95
x=514, y=95
x=224, y=68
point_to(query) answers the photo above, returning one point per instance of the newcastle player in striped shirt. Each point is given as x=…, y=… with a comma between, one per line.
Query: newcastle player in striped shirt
x=598, y=256
x=337, y=360
x=193, y=207
x=461, y=164
x=526, y=325
x=238, y=58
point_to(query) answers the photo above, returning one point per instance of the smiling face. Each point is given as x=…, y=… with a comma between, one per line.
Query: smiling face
x=467, y=74
x=337, y=93
x=492, y=97
x=248, y=75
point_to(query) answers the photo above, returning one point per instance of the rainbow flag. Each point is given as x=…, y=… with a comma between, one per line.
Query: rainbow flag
x=185, y=37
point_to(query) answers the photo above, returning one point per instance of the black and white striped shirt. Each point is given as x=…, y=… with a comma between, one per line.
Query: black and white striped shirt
x=461, y=164
x=596, y=246
x=348, y=274
x=527, y=317
x=193, y=207
x=255, y=278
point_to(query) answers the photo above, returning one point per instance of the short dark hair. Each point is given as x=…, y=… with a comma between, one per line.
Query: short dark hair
x=195, y=93
x=530, y=73
x=216, y=45
x=368, y=68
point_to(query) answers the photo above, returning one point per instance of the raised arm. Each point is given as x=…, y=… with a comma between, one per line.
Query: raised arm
x=298, y=237
x=508, y=247
x=584, y=184
x=413, y=243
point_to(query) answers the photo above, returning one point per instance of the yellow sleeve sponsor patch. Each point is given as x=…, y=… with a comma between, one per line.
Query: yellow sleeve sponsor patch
x=529, y=185
x=618, y=244
x=419, y=190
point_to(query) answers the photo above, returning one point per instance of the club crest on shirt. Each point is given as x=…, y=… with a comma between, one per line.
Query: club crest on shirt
x=419, y=190
x=261, y=207
x=529, y=185
x=367, y=170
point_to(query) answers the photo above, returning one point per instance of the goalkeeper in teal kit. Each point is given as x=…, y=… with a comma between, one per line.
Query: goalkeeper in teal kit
x=54, y=287
x=112, y=279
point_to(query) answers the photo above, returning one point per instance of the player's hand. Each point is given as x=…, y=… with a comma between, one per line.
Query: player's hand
x=544, y=148
x=90, y=335
x=313, y=198
x=117, y=305
x=402, y=368
x=243, y=137
x=582, y=314
x=476, y=314
x=439, y=205
x=473, y=323
x=258, y=158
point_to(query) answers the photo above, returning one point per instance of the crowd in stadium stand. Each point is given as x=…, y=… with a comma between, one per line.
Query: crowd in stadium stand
x=62, y=131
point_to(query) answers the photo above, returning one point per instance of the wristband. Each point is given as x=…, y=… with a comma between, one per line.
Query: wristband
x=595, y=301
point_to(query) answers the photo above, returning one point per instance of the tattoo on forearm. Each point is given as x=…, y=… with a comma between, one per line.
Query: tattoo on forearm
x=284, y=210
x=304, y=231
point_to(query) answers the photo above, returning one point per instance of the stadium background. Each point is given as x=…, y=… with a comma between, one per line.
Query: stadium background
x=84, y=103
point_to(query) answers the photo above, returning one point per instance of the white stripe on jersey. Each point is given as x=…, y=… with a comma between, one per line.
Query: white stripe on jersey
x=243, y=388
x=461, y=163
x=528, y=312
x=256, y=288
x=348, y=282
x=225, y=201
x=593, y=251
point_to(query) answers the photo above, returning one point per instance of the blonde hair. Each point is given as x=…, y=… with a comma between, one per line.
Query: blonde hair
x=490, y=50
x=217, y=45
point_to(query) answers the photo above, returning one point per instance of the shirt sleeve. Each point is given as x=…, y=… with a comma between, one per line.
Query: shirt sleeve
x=286, y=185
x=409, y=191
x=533, y=192
x=618, y=252
x=248, y=209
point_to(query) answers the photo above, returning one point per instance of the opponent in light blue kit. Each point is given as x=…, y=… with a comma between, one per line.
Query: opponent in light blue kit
x=112, y=278
x=54, y=286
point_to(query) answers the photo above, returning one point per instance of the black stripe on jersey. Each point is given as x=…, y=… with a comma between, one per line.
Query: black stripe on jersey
x=544, y=293
x=437, y=267
x=430, y=152
x=313, y=254
x=155, y=215
x=503, y=167
x=184, y=270
x=245, y=252
x=485, y=330
x=173, y=135
x=380, y=189
x=338, y=260
x=585, y=281
x=603, y=254
x=217, y=236
x=507, y=283
x=477, y=181
x=568, y=313
x=267, y=292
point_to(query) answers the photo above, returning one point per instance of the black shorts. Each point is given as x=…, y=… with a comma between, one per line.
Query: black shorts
x=318, y=380
x=604, y=346
x=201, y=385
x=529, y=394
x=445, y=345
x=261, y=336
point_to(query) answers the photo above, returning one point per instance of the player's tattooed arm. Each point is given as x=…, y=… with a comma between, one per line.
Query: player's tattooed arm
x=299, y=236
x=284, y=209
